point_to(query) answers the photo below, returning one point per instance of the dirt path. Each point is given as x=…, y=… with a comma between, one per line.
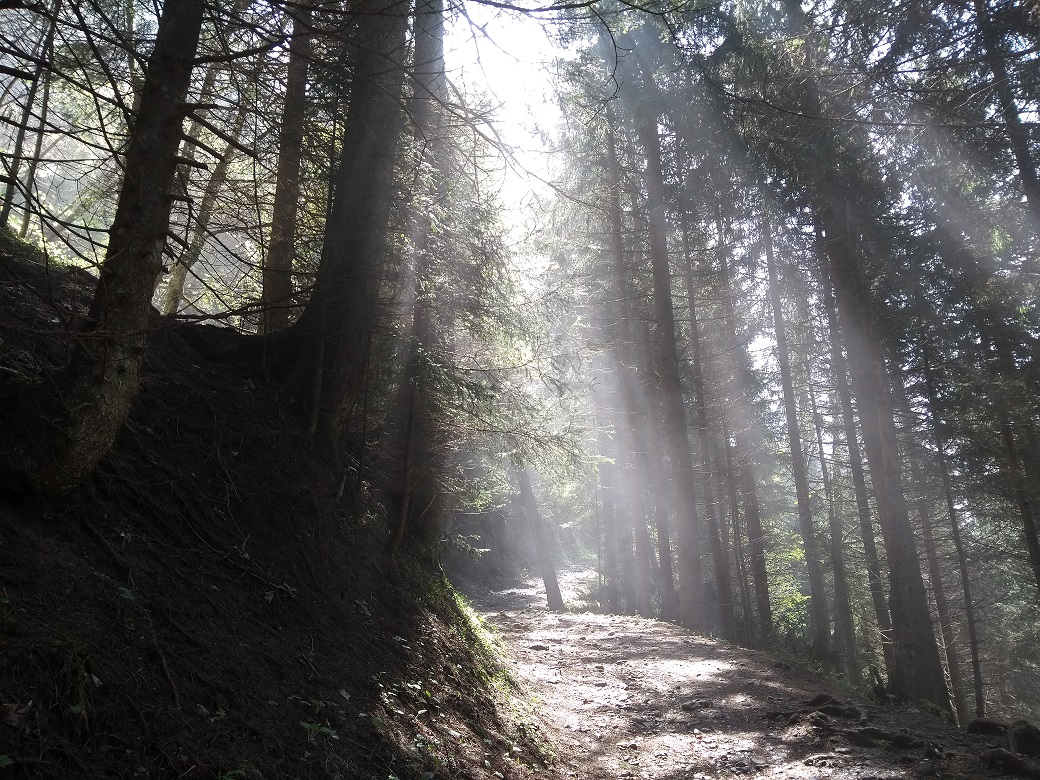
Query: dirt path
x=625, y=697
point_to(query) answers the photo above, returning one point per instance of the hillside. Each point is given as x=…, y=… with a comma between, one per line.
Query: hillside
x=201, y=608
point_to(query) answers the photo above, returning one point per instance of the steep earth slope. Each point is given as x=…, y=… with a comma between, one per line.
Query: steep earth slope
x=203, y=607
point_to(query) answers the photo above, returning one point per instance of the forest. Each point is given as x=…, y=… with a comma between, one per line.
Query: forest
x=760, y=342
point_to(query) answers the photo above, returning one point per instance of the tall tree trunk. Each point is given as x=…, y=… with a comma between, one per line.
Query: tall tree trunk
x=608, y=515
x=41, y=131
x=942, y=607
x=917, y=671
x=276, y=297
x=958, y=543
x=664, y=499
x=743, y=579
x=1017, y=133
x=737, y=402
x=174, y=293
x=948, y=644
x=27, y=111
x=691, y=596
x=637, y=422
x=720, y=561
x=1015, y=467
x=839, y=367
x=428, y=88
x=757, y=545
x=343, y=308
x=640, y=575
x=541, y=540
x=817, y=593
x=842, y=599
x=103, y=377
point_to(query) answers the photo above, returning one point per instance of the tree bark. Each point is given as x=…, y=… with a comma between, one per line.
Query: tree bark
x=104, y=373
x=336, y=323
x=541, y=540
x=276, y=297
x=817, y=593
x=917, y=671
x=839, y=367
x=958, y=543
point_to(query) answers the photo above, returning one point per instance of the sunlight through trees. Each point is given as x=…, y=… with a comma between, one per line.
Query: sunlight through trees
x=760, y=334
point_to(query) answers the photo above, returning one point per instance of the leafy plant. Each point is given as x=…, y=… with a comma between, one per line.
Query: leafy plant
x=314, y=730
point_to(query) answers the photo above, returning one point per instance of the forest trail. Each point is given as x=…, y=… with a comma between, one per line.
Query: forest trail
x=625, y=697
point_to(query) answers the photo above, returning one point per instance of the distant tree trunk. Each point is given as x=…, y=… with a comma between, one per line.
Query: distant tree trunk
x=720, y=561
x=541, y=540
x=859, y=481
x=742, y=436
x=942, y=607
x=174, y=293
x=277, y=295
x=756, y=543
x=428, y=88
x=639, y=367
x=739, y=557
x=1017, y=133
x=1015, y=466
x=619, y=331
x=659, y=478
x=27, y=112
x=691, y=596
x=842, y=599
x=629, y=449
x=30, y=174
x=958, y=543
x=917, y=671
x=607, y=493
x=817, y=593
x=335, y=325
x=641, y=581
x=103, y=377
x=948, y=644
x=844, y=219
